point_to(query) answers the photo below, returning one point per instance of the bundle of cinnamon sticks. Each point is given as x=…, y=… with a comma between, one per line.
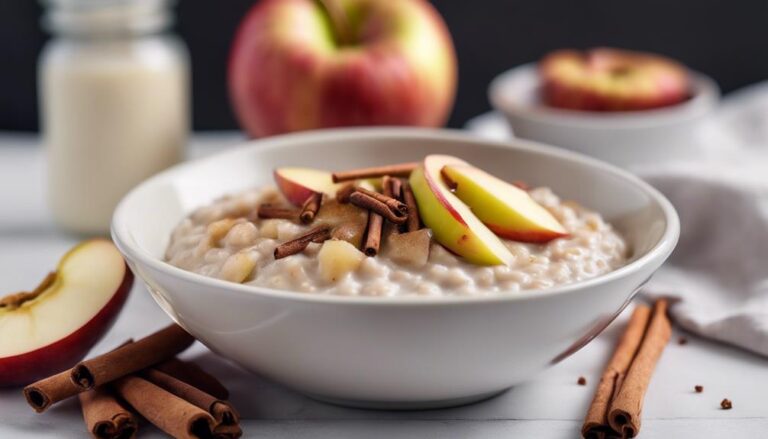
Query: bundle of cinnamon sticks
x=617, y=406
x=144, y=378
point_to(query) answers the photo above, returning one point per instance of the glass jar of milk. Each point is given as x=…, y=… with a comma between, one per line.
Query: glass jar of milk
x=115, y=106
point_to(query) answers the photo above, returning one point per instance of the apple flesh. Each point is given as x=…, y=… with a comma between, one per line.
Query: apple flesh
x=612, y=80
x=298, y=184
x=452, y=222
x=507, y=210
x=305, y=64
x=46, y=334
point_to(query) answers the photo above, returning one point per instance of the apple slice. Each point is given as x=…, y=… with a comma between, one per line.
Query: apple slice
x=452, y=222
x=52, y=328
x=298, y=184
x=506, y=209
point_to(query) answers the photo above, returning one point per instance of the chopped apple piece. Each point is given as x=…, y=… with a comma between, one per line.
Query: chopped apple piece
x=411, y=249
x=337, y=258
x=48, y=330
x=298, y=184
x=352, y=232
x=238, y=267
x=452, y=222
x=506, y=209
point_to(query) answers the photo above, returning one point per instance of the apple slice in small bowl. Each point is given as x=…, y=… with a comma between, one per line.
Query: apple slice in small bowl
x=505, y=208
x=47, y=330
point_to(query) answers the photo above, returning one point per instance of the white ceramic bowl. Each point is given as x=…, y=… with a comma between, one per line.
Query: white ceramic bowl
x=392, y=352
x=622, y=138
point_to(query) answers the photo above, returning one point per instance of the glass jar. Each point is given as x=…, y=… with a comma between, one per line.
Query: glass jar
x=114, y=98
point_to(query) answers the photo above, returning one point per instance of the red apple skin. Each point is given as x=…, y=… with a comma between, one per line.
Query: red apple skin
x=31, y=366
x=536, y=237
x=294, y=192
x=285, y=76
x=577, y=80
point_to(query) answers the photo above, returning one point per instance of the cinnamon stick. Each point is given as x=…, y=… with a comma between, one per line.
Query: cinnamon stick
x=297, y=245
x=41, y=394
x=310, y=207
x=269, y=211
x=194, y=375
x=157, y=347
x=626, y=407
x=374, y=204
x=386, y=198
x=596, y=422
x=105, y=417
x=221, y=411
x=394, y=186
x=165, y=410
x=372, y=241
x=414, y=221
x=616, y=408
x=398, y=170
x=342, y=195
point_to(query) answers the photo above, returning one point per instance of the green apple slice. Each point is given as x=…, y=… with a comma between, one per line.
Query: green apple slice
x=452, y=222
x=506, y=209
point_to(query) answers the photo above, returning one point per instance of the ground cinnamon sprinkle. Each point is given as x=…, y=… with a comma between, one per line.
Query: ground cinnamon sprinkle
x=698, y=389
x=726, y=404
x=582, y=381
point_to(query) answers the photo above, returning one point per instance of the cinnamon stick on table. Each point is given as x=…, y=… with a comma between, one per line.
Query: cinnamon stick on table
x=398, y=170
x=194, y=375
x=41, y=394
x=165, y=410
x=617, y=404
x=226, y=417
x=157, y=347
x=105, y=417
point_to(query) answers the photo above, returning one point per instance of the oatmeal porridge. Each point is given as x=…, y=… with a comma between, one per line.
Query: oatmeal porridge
x=235, y=239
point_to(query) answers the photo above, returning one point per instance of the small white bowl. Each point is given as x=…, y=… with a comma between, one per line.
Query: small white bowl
x=622, y=138
x=409, y=352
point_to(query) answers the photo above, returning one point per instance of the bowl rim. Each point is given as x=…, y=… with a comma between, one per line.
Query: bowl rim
x=659, y=252
x=706, y=95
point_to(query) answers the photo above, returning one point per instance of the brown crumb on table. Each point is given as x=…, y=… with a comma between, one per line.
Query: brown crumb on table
x=726, y=404
x=582, y=381
x=699, y=389
x=682, y=341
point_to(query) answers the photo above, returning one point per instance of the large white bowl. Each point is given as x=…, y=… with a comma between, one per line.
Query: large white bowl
x=622, y=138
x=392, y=352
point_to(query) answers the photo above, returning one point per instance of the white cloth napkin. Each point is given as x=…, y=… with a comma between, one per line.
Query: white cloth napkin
x=719, y=270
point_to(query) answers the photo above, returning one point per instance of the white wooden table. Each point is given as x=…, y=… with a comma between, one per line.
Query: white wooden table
x=551, y=405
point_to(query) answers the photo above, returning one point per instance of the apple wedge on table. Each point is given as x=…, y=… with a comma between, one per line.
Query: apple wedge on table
x=47, y=330
x=507, y=210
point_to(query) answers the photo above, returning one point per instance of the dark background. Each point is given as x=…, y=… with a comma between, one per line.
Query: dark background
x=725, y=39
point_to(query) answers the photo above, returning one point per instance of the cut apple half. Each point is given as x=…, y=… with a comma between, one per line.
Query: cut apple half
x=507, y=210
x=298, y=184
x=452, y=222
x=51, y=328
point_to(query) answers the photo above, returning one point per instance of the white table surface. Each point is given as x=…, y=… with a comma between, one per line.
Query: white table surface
x=550, y=405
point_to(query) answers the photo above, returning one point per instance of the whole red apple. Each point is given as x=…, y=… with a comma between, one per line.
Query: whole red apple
x=304, y=64
x=606, y=79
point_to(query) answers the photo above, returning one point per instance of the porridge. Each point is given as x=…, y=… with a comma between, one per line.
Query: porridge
x=252, y=238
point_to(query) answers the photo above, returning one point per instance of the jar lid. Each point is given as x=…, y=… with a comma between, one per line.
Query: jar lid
x=112, y=17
